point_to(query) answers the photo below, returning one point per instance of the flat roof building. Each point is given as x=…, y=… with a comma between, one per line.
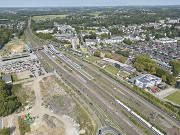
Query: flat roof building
x=147, y=80
x=6, y=78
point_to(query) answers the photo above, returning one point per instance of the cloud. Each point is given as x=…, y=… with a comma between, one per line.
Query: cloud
x=61, y=3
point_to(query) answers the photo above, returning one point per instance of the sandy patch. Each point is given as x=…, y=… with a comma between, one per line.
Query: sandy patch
x=23, y=75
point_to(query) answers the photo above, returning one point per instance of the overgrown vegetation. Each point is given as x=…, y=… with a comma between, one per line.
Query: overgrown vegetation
x=175, y=110
x=24, y=127
x=5, y=131
x=144, y=62
x=8, y=101
x=175, y=67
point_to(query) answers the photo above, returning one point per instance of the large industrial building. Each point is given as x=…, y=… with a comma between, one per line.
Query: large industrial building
x=147, y=80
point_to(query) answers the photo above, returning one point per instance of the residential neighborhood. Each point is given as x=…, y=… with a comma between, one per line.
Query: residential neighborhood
x=89, y=70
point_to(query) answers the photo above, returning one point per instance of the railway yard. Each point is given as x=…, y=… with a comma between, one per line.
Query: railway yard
x=72, y=96
x=104, y=92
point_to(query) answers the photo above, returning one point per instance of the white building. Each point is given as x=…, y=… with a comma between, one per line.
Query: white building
x=113, y=40
x=147, y=80
x=74, y=42
x=91, y=42
x=44, y=31
x=166, y=40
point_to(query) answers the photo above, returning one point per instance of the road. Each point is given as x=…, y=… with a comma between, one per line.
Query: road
x=92, y=108
x=117, y=118
x=32, y=79
x=133, y=95
x=89, y=90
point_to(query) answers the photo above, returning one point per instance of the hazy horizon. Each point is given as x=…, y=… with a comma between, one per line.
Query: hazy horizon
x=83, y=3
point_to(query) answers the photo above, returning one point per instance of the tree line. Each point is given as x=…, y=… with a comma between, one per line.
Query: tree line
x=8, y=101
x=143, y=62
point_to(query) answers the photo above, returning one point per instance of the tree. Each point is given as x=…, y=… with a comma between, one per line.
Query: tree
x=144, y=62
x=97, y=54
x=139, y=66
x=165, y=75
x=123, y=53
x=127, y=41
x=104, y=35
x=147, y=38
x=164, y=78
x=5, y=131
x=175, y=67
x=171, y=79
x=9, y=102
x=121, y=59
x=108, y=56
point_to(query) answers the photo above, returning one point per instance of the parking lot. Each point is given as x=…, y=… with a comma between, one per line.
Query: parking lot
x=23, y=67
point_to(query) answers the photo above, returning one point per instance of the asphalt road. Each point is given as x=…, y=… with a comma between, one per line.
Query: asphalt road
x=134, y=95
x=130, y=127
x=118, y=118
x=99, y=101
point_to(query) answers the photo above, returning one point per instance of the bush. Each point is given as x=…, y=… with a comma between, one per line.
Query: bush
x=5, y=131
x=23, y=126
x=9, y=102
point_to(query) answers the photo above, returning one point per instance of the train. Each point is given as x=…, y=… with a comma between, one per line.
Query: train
x=52, y=50
x=48, y=50
x=150, y=126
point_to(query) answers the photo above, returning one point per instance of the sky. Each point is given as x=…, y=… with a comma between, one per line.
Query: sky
x=74, y=3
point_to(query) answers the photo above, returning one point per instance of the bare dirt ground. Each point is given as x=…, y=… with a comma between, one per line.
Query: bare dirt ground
x=26, y=95
x=23, y=75
x=53, y=110
x=50, y=125
x=14, y=47
x=55, y=96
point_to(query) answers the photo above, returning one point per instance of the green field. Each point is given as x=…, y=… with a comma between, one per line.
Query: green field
x=175, y=97
x=96, y=14
x=111, y=69
x=92, y=59
x=109, y=134
x=44, y=17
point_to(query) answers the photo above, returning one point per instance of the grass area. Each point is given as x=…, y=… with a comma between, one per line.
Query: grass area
x=14, y=77
x=23, y=38
x=95, y=14
x=44, y=17
x=174, y=97
x=24, y=94
x=84, y=121
x=13, y=47
x=24, y=127
x=109, y=134
x=136, y=122
x=123, y=74
x=5, y=131
x=111, y=69
x=60, y=100
x=92, y=59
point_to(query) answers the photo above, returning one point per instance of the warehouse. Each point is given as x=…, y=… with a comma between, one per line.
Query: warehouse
x=6, y=78
x=147, y=80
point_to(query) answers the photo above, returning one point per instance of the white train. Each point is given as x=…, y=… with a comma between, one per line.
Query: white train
x=140, y=118
x=53, y=50
x=48, y=50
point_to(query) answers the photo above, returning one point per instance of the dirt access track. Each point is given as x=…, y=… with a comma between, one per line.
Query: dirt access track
x=46, y=121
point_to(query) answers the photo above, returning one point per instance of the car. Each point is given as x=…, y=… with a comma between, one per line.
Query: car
x=99, y=132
